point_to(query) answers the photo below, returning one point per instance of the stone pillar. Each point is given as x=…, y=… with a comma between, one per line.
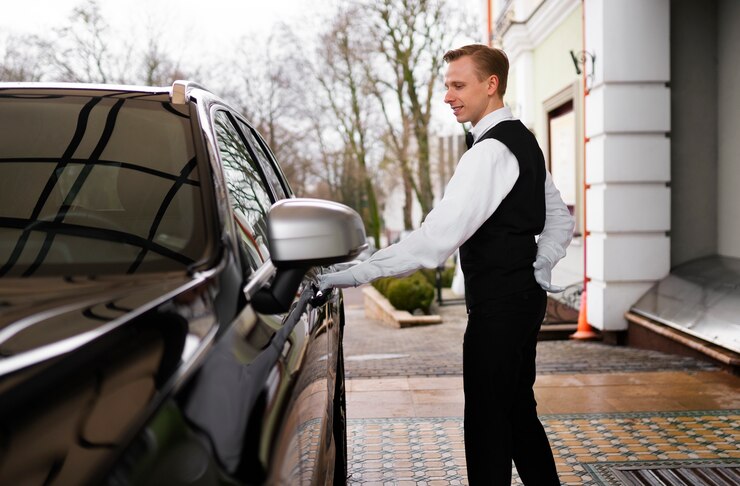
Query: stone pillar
x=627, y=154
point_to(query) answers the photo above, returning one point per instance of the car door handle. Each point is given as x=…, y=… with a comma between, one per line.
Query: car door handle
x=319, y=296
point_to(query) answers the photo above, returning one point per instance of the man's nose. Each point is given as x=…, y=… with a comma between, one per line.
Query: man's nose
x=448, y=97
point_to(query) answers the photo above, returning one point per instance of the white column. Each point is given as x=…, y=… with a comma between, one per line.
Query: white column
x=525, y=88
x=627, y=154
x=518, y=46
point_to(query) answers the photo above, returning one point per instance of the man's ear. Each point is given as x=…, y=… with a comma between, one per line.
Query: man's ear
x=492, y=84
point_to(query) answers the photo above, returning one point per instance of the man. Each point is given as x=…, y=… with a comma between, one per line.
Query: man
x=498, y=199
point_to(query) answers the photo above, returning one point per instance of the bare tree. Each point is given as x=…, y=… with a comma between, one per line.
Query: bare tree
x=20, y=59
x=87, y=49
x=158, y=68
x=398, y=133
x=83, y=50
x=412, y=36
x=344, y=90
x=265, y=79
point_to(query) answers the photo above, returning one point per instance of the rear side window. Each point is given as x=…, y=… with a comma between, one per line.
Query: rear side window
x=97, y=185
x=249, y=194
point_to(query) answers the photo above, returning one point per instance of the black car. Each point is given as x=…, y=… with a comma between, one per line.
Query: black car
x=158, y=318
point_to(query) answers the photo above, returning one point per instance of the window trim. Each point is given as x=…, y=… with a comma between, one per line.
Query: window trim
x=572, y=93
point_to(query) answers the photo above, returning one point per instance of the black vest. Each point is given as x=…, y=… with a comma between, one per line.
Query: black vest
x=497, y=260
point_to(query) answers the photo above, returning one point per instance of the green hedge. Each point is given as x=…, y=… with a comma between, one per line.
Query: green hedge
x=407, y=293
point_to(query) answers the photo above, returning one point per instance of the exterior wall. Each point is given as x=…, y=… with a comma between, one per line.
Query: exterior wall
x=554, y=67
x=524, y=8
x=511, y=98
x=556, y=73
x=694, y=130
x=540, y=77
x=728, y=140
x=538, y=47
x=524, y=80
x=627, y=154
x=662, y=114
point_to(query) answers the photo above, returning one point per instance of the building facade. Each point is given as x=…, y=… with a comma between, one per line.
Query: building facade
x=642, y=142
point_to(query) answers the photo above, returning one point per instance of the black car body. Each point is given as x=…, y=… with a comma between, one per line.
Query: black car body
x=153, y=330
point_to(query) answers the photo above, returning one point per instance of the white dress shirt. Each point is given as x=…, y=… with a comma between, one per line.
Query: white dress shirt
x=484, y=176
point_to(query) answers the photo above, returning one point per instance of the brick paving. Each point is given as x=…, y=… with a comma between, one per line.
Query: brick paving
x=373, y=349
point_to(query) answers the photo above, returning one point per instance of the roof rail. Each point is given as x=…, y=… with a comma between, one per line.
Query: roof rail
x=178, y=94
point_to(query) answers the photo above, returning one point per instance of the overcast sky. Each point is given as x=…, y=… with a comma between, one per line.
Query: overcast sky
x=231, y=15
x=194, y=24
x=200, y=24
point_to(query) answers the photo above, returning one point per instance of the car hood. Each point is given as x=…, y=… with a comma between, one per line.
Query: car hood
x=38, y=312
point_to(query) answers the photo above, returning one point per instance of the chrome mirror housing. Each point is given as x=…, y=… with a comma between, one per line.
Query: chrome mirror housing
x=303, y=233
x=309, y=232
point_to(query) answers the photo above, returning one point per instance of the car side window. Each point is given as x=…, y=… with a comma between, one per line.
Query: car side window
x=250, y=198
x=264, y=160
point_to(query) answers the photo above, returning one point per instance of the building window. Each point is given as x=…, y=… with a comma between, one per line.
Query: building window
x=562, y=148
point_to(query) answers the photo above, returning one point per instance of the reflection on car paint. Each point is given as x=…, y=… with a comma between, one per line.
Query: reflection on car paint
x=180, y=381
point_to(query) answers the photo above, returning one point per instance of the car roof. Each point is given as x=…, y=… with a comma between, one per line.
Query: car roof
x=87, y=89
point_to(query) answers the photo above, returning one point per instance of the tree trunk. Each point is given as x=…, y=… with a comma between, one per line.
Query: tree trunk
x=426, y=194
x=408, y=201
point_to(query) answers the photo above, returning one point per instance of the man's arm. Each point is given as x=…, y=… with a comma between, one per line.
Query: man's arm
x=555, y=237
x=482, y=179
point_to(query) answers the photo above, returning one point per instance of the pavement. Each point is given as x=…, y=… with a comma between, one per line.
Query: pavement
x=612, y=414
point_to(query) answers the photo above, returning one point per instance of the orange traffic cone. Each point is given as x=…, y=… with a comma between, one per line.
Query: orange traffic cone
x=584, y=331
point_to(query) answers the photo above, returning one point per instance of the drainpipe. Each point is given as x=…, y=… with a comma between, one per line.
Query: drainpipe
x=490, y=23
x=584, y=331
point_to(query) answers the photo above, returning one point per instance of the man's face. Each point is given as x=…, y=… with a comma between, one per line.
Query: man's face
x=469, y=97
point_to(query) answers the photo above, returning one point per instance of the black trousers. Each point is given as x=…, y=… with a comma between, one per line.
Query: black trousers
x=501, y=421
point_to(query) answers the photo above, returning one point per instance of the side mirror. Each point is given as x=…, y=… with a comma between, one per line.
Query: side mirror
x=303, y=233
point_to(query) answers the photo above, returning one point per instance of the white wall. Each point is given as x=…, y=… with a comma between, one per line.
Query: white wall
x=728, y=126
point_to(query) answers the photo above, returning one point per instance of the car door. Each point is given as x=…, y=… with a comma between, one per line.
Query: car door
x=282, y=384
x=318, y=408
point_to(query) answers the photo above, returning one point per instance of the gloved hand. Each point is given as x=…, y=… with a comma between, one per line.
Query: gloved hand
x=339, y=279
x=338, y=267
x=543, y=275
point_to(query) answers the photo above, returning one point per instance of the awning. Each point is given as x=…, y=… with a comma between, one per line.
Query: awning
x=701, y=298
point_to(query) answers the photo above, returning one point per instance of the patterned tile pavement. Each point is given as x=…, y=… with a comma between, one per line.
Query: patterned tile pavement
x=587, y=447
x=405, y=424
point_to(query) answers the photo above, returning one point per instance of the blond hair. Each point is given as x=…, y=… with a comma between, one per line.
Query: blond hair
x=488, y=61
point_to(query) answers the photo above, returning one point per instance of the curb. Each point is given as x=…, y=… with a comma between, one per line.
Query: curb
x=379, y=308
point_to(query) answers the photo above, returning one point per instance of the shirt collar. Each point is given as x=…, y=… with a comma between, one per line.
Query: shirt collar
x=490, y=120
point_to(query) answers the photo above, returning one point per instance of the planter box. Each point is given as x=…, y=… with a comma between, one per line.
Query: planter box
x=378, y=307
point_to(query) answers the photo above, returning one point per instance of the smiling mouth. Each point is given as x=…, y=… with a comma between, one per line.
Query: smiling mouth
x=456, y=109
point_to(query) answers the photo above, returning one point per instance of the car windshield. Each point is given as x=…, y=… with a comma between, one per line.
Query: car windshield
x=97, y=185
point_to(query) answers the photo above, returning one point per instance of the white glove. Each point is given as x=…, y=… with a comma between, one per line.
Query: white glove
x=543, y=275
x=338, y=267
x=340, y=280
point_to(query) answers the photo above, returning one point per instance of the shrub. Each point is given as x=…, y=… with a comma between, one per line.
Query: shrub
x=410, y=293
x=381, y=284
x=431, y=275
x=447, y=275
